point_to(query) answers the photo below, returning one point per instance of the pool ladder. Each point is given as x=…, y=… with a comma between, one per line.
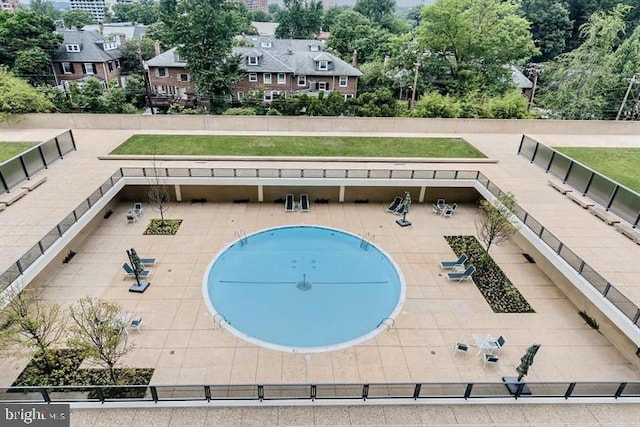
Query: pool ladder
x=219, y=318
x=241, y=236
x=388, y=323
x=366, y=240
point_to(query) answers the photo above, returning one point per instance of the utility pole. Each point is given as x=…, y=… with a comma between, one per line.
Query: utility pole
x=415, y=84
x=632, y=80
x=536, y=70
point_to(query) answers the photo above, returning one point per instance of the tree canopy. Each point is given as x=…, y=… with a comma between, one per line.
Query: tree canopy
x=378, y=11
x=77, y=18
x=551, y=26
x=204, y=35
x=474, y=39
x=24, y=30
x=17, y=97
x=300, y=19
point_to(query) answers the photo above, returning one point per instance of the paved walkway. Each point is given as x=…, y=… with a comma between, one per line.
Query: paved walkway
x=559, y=415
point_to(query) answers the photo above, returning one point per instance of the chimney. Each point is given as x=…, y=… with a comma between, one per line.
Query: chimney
x=101, y=27
x=354, y=58
x=157, y=48
x=122, y=39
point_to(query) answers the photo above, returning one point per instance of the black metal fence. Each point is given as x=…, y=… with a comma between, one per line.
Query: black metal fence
x=311, y=392
x=23, y=166
x=609, y=194
x=595, y=279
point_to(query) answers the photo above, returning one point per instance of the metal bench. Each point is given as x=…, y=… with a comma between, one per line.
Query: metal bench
x=13, y=196
x=32, y=183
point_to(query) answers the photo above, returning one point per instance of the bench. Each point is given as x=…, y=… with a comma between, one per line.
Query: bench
x=562, y=188
x=12, y=197
x=629, y=231
x=32, y=183
x=581, y=200
x=604, y=215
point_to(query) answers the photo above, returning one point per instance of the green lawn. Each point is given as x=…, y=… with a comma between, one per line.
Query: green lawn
x=620, y=164
x=10, y=149
x=325, y=146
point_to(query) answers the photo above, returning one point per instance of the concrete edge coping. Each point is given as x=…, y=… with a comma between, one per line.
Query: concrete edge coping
x=300, y=159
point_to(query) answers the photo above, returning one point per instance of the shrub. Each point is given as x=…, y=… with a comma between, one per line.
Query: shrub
x=244, y=111
x=511, y=105
x=432, y=104
x=168, y=227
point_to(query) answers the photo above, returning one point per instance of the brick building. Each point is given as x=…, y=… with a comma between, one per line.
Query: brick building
x=86, y=54
x=272, y=66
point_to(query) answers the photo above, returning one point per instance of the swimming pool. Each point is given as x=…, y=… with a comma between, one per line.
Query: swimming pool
x=303, y=288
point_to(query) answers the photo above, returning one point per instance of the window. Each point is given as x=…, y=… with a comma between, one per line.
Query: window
x=266, y=78
x=348, y=96
x=117, y=63
x=67, y=67
x=253, y=77
x=343, y=82
x=315, y=48
x=162, y=72
x=240, y=96
x=73, y=48
x=110, y=66
x=322, y=85
x=184, y=77
x=282, y=78
x=323, y=65
x=265, y=44
x=302, y=80
x=270, y=95
x=253, y=60
x=88, y=68
x=180, y=58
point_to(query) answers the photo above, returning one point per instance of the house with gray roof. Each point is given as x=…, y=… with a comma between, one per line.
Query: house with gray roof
x=83, y=55
x=120, y=32
x=272, y=67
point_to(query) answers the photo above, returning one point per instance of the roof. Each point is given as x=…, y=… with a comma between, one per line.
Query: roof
x=91, y=49
x=126, y=29
x=283, y=56
x=520, y=80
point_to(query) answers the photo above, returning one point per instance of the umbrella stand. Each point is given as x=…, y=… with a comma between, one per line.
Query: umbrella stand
x=406, y=202
x=515, y=385
x=140, y=286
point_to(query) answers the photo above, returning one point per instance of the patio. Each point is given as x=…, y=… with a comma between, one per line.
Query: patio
x=185, y=346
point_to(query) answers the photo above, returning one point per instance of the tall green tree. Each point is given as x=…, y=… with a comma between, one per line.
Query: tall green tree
x=45, y=8
x=474, y=39
x=33, y=65
x=204, y=35
x=17, y=97
x=143, y=12
x=354, y=32
x=135, y=51
x=551, y=26
x=577, y=85
x=77, y=18
x=378, y=11
x=300, y=19
x=23, y=30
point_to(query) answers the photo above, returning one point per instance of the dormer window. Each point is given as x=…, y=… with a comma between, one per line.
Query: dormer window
x=266, y=44
x=252, y=60
x=315, y=48
x=180, y=58
x=110, y=46
x=323, y=65
x=73, y=48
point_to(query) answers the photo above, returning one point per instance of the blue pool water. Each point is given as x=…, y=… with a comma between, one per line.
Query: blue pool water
x=303, y=288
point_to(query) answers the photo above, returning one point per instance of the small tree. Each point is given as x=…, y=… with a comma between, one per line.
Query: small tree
x=32, y=323
x=98, y=331
x=494, y=224
x=159, y=195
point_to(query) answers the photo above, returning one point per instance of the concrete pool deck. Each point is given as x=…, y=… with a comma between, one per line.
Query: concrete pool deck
x=185, y=346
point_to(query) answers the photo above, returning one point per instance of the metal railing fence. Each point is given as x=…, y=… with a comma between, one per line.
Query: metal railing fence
x=23, y=166
x=609, y=194
x=311, y=392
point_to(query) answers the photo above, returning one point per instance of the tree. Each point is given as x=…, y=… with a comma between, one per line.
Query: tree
x=32, y=323
x=33, y=65
x=378, y=11
x=90, y=99
x=274, y=8
x=45, y=8
x=17, y=97
x=329, y=17
x=158, y=194
x=355, y=32
x=99, y=332
x=550, y=26
x=23, y=30
x=135, y=51
x=474, y=39
x=260, y=16
x=300, y=19
x=578, y=83
x=135, y=90
x=494, y=224
x=114, y=101
x=204, y=34
x=77, y=18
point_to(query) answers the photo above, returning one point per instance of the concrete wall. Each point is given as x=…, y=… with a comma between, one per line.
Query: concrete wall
x=372, y=125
